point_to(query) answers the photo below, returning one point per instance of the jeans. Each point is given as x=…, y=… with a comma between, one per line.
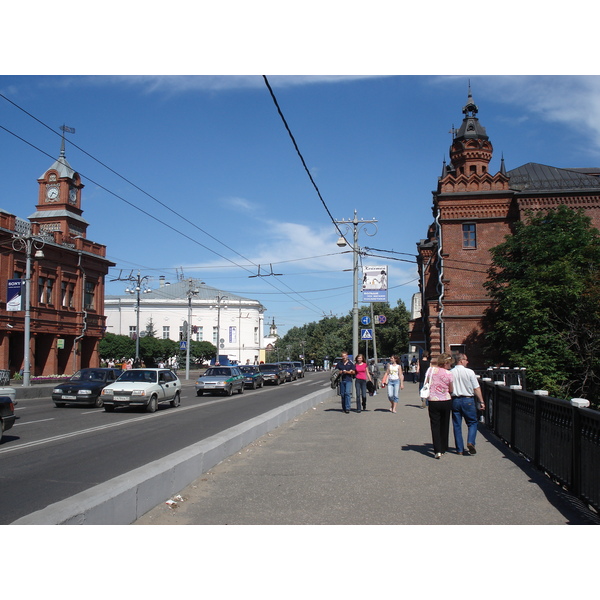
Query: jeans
x=393, y=389
x=346, y=393
x=464, y=406
x=361, y=392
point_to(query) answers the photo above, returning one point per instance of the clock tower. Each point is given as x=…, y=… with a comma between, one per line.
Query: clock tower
x=59, y=200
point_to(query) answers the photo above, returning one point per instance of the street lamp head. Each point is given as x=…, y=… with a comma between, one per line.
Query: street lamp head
x=39, y=254
x=341, y=241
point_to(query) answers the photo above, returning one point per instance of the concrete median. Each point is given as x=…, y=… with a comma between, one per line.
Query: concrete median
x=122, y=500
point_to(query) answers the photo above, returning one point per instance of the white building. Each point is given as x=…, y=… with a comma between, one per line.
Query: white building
x=211, y=314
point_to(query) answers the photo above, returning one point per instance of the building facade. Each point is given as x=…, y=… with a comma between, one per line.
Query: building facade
x=232, y=323
x=474, y=210
x=66, y=281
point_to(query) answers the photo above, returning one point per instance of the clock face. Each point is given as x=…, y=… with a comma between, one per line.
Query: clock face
x=73, y=195
x=52, y=194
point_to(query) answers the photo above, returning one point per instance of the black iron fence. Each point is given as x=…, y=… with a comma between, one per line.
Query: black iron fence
x=557, y=437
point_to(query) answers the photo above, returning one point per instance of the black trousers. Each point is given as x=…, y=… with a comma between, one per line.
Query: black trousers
x=439, y=417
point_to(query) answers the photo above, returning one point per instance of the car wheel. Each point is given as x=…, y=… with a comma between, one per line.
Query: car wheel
x=176, y=400
x=152, y=405
x=254, y=385
x=199, y=393
x=99, y=402
x=278, y=382
x=241, y=390
x=229, y=391
x=109, y=408
x=59, y=404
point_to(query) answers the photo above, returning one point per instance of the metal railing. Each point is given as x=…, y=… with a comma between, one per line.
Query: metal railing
x=557, y=437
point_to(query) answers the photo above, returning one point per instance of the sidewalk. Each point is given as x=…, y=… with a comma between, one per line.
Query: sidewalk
x=376, y=468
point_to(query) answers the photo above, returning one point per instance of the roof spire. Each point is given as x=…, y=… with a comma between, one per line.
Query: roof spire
x=502, y=166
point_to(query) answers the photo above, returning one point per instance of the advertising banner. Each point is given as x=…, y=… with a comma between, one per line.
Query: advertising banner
x=374, y=284
x=15, y=295
x=233, y=335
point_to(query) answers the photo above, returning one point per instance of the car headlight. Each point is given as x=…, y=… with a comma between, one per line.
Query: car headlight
x=138, y=392
x=84, y=392
x=107, y=392
x=57, y=391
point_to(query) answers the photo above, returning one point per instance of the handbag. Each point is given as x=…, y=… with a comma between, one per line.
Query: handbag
x=424, y=393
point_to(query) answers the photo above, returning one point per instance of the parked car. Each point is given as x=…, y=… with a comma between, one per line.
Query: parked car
x=289, y=368
x=299, y=368
x=273, y=373
x=222, y=379
x=143, y=387
x=253, y=378
x=7, y=414
x=85, y=387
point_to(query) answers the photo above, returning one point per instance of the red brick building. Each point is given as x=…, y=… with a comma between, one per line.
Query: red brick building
x=473, y=211
x=67, y=280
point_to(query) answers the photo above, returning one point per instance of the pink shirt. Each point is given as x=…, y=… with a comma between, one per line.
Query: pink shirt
x=361, y=370
x=440, y=379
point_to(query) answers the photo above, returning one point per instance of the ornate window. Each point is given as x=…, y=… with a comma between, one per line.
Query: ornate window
x=90, y=292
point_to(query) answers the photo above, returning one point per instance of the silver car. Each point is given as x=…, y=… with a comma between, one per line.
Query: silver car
x=222, y=380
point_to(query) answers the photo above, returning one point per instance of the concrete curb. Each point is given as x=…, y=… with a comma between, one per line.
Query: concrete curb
x=126, y=498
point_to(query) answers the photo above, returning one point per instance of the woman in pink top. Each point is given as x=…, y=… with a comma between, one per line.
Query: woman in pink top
x=440, y=402
x=360, y=382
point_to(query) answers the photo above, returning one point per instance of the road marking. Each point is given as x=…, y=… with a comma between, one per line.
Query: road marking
x=30, y=422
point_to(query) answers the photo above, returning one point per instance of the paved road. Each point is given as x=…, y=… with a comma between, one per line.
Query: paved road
x=326, y=467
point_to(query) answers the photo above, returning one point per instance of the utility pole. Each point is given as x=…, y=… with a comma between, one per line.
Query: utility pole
x=356, y=226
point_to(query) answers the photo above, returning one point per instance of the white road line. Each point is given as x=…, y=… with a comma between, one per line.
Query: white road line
x=30, y=422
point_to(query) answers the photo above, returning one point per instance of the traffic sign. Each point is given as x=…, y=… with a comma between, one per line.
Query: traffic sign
x=182, y=345
x=365, y=320
x=366, y=334
x=381, y=319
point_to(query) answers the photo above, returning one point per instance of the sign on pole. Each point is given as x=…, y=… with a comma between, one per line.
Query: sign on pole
x=15, y=295
x=366, y=334
x=374, y=284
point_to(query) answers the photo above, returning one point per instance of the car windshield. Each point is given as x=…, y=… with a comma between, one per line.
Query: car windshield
x=141, y=375
x=217, y=372
x=89, y=375
x=247, y=369
x=268, y=368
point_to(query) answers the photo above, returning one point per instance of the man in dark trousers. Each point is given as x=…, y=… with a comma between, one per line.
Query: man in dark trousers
x=348, y=371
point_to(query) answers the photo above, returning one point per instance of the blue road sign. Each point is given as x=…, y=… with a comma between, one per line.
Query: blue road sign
x=366, y=334
x=182, y=345
x=365, y=320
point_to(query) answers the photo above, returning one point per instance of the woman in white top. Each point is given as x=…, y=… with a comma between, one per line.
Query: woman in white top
x=394, y=379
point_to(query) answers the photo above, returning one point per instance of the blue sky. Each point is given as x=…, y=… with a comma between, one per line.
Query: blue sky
x=214, y=150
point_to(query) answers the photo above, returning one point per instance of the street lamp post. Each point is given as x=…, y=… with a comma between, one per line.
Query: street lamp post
x=139, y=281
x=190, y=294
x=219, y=300
x=356, y=226
x=27, y=242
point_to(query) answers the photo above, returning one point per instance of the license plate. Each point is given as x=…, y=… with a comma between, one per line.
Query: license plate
x=121, y=398
x=69, y=397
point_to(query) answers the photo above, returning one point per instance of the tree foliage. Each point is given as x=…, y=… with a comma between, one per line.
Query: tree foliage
x=545, y=316
x=330, y=336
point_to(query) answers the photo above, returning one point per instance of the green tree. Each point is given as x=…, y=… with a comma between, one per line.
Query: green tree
x=545, y=316
x=116, y=346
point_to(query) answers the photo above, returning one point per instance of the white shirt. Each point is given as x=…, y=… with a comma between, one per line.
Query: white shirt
x=464, y=382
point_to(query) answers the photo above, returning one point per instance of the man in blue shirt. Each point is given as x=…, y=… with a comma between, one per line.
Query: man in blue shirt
x=348, y=371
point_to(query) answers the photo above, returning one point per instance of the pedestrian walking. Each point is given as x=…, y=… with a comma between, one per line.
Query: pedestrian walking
x=346, y=367
x=440, y=403
x=423, y=366
x=360, y=382
x=466, y=391
x=394, y=380
x=413, y=369
x=375, y=374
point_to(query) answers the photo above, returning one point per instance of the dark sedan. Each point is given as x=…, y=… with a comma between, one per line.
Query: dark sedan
x=273, y=373
x=253, y=378
x=289, y=368
x=85, y=387
x=7, y=414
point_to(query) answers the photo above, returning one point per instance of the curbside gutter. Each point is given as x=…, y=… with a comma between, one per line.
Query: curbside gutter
x=124, y=499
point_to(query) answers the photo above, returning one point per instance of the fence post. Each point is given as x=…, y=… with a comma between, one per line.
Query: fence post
x=576, y=403
x=537, y=427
